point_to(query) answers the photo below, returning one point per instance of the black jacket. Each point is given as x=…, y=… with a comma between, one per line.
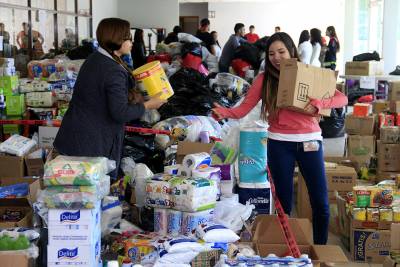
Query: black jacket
x=94, y=123
x=138, y=55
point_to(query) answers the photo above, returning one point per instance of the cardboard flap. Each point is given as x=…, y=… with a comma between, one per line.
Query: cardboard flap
x=329, y=253
x=269, y=231
x=186, y=148
x=291, y=63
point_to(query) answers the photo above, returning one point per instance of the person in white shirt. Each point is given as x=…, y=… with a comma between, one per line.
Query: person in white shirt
x=217, y=47
x=316, y=41
x=305, y=48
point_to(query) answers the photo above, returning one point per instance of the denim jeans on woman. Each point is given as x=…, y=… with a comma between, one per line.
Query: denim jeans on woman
x=282, y=156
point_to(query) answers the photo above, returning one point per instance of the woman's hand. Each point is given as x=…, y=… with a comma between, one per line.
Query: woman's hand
x=313, y=107
x=215, y=114
x=154, y=102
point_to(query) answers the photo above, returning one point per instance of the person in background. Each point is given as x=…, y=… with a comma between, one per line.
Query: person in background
x=204, y=35
x=4, y=33
x=316, y=41
x=94, y=124
x=138, y=49
x=173, y=36
x=228, y=51
x=252, y=37
x=305, y=47
x=333, y=48
x=292, y=136
x=277, y=28
x=37, y=38
x=69, y=42
x=217, y=47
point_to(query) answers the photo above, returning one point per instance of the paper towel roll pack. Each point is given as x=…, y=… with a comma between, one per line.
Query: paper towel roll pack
x=191, y=220
x=259, y=197
x=196, y=161
x=161, y=221
x=172, y=169
x=253, y=155
x=158, y=191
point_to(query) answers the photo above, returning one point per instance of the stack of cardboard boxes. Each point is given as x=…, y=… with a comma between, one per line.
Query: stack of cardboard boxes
x=360, y=127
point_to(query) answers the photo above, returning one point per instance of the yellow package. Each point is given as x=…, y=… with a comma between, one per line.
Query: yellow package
x=140, y=250
x=359, y=214
x=372, y=214
x=386, y=215
x=396, y=214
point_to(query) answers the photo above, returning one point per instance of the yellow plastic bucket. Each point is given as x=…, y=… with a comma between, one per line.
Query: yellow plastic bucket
x=151, y=79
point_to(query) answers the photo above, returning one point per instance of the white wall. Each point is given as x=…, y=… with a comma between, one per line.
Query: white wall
x=391, y=34
x=150, y=13
x=292, y=16
x=194, y=9
x=103, y=9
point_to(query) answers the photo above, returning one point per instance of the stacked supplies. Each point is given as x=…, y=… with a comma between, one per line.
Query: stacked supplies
x=75, y=187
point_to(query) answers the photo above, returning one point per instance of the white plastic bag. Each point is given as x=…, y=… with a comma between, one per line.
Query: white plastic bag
x=212, y=232
x=17, y=145
x=141, y=173
x=230, y=213
x=188, y=38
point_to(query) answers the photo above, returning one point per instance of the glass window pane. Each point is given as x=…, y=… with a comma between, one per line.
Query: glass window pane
x=42, y=33
x=66, y=5
x=46, y=4
x=66, y=32
x=84, y=7
x=15, y=2
x=83, y=25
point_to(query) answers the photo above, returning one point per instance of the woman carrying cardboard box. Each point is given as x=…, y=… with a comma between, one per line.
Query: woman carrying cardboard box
x=293, y=136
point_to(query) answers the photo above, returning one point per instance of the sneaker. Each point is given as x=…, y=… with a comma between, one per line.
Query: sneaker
x=396, y=71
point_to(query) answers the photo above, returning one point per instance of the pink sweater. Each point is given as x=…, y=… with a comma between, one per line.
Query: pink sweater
x=287, y=121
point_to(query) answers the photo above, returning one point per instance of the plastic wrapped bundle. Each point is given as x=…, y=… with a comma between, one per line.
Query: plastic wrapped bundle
x=158, y=191
x=193, y=195
x=66, y=170
x=17, y=145
x=192, y=125
x=227, y=81
x=40, y=99
x=76, y=197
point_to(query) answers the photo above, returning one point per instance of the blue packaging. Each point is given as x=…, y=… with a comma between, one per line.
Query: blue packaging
x=190, y=220
x=260, y=197
x=253, y=155
x=174, y=222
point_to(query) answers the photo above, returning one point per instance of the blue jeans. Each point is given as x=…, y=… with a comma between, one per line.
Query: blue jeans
x=282, y=156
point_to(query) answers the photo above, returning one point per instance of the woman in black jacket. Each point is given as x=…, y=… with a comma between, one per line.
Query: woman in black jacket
x=94, y=123
x=138, y=49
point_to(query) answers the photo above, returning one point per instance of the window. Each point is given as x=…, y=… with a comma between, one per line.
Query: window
x=30, y=29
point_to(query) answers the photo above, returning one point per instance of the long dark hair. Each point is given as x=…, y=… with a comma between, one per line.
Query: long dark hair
x=216, y=41
x=271, y=75
x=304, y=37
x=332, y=33
x=111, y=34
x=316, y=36
x=138, y=37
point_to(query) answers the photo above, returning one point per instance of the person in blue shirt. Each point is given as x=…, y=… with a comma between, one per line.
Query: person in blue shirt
x=228, y=52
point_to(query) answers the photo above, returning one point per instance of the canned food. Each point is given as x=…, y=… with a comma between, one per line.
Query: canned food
x=372, y=214
x=396, y=214
x=386, y=214
x=359, y=214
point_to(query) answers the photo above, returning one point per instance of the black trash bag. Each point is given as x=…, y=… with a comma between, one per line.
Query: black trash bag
x=367, y=57
x=333, y=126
x=147, y=219
x=191, y=48
x=249, y=53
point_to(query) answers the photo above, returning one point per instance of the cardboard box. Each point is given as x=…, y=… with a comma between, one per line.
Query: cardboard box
x=268, y=238
x=394, y=90
x=334, y=147
x=390, y=135
x=11, y=166
x=74, y=226
x=15, y=105
x=361, y=126
x=298, y=82
x=364, y=68
x=344, y=220
x=360, y=148
x=9, y=84
x=388, y=157
x=47, y=135
x=381, y=225
x=395, y=237
x=34, y=167
x=394, y=106
x=186, y=148
x=369, y=245
x=362, y=109
x=16, y=259
x=22, y=204
x=73, y=255
x=389, y=262
x=380, y=106
x=207, y=258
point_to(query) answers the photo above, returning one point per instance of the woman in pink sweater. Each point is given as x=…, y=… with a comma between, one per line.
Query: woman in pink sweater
x=292, y=136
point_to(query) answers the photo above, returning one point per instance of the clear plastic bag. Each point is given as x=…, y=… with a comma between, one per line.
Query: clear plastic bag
x=17, y=145
x=75, y=197
x=188, y=38
x=67, y=170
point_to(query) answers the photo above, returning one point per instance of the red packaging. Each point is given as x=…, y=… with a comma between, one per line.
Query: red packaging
x=397, y=116
x=386, y=120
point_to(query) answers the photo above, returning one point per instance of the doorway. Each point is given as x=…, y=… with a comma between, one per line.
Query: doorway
x=189, y=24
